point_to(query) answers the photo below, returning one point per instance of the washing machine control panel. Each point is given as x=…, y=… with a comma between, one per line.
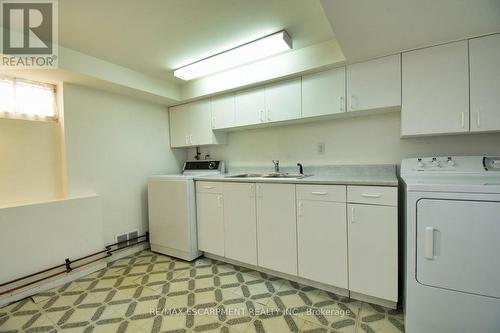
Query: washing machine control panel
x=447, y=163
x=451, y=165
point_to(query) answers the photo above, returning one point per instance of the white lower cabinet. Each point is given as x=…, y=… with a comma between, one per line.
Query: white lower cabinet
x=336, y=235
x=210, y=220
x=240, y=222
x=373, y=250
x=276, y=227
x=322, y=241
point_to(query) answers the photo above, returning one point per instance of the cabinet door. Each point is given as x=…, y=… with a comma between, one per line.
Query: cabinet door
x=180, y=126
x=209, y=214
x=485, y=83
x=276, y=227
x=250, y=107
x=322, y=242
x=201, y=129
x=323, y=93
x=240, y=222
x=435, y=90
x=373, y=250
x=283, y=100
x=222, y=111
x=374, y=84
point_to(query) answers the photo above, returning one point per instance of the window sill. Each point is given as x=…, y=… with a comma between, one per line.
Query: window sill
x=7, y=115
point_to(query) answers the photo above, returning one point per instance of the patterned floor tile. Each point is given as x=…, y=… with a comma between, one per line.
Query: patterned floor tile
x=374, y=318
x=45, y=295
x=24, y=316
x=148, y=292
x=275, y=321
x=259, y=287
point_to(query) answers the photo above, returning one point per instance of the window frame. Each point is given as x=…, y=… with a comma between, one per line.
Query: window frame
x=24, y=116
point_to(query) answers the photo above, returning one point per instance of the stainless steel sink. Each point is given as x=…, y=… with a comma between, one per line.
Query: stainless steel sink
x=269, y=175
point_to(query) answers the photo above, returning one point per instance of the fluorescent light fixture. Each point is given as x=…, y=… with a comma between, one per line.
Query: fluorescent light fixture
x=243, y=54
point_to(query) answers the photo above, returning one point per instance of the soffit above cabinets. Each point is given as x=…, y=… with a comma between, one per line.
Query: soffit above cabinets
x=367, y=28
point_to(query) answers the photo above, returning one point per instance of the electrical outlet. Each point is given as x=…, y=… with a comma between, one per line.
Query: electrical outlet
x=121, y=238
x=321, y=148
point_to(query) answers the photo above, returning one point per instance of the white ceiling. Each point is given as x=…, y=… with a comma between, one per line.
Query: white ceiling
x=156, y=36
x=371, y=28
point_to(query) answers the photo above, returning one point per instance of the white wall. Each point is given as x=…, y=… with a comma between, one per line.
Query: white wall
x=30, y=161
x=113, y=144
x=358, y=140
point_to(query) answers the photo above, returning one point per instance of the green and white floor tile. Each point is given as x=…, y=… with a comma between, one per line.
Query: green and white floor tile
x=148, y=292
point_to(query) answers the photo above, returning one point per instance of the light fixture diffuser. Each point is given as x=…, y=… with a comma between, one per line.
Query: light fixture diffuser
x=243, y=54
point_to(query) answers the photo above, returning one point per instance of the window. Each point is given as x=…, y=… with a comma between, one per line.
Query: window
x=22, y=99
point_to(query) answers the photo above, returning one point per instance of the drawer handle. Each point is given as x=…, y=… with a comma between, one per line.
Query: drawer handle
x=319, y=193
x=374, y=196
x=208, y=187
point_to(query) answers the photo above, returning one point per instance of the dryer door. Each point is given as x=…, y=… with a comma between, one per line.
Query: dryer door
x=458, y=245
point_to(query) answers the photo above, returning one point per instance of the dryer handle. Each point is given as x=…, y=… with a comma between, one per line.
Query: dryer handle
x=429, y=243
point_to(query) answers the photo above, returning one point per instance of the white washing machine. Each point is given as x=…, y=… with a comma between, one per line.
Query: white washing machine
x=172, y=210
x=452, y=276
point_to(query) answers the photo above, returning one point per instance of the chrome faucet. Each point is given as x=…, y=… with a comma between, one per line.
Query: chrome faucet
x=276, y=165
x=301, y=168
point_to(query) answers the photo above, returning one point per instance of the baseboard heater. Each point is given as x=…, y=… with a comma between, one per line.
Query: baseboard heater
x=70, y=265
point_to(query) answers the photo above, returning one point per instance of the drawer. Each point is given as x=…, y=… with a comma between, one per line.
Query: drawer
x=209, y=187
x=321, y=192
x=387, y=196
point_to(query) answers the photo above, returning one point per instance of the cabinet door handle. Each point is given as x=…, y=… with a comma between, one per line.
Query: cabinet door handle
x=319, y=193
x=366, y=195
x=478, y=120
x=352, y=102
x=353, y=220
x=462, y=119
x=299, y=209
x=213, y=122
x=219, y=200
x=268, y=114
x=429, y=243
x=250, y=189
x=261, y=116
x=341, y=103
x=208, y=187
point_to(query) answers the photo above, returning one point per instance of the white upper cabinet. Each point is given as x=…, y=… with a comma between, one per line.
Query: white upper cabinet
x=485, y=83
x=223, y=111
x=323, y=93
x=435, y=90
x=374, y=84
x=191, y=125
x=274, y=102
x=180, y=126
x=250, y=107
x=283, y=100
x=201, y=131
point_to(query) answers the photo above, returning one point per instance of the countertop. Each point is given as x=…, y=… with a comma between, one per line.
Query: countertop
x=371, y=175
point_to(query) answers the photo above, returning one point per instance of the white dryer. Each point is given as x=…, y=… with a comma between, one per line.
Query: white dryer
x=452, y=276
x=172, y=209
